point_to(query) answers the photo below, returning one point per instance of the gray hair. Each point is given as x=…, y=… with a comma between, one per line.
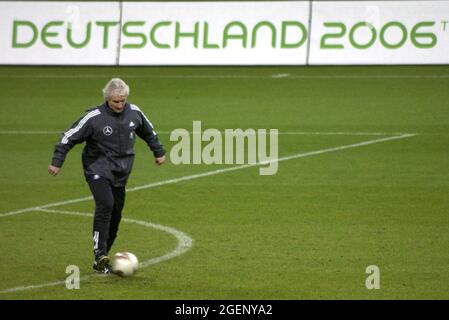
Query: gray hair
x=115, y=87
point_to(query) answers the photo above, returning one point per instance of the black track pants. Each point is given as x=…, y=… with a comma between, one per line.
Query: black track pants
x=109, y=202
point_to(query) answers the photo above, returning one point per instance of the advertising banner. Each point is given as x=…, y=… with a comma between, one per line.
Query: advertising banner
x=61, y=33
x=224, y=33
x=380, y=32
x=214, y=33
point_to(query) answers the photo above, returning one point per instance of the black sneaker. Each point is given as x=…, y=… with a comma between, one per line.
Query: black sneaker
x=106, y=270
x=101, y=265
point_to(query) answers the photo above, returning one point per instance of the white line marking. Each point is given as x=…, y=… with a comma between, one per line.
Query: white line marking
x=323, y=133
x=356, y=145
x=29, y=132
x=341, y=133
x=372, y=76
x=214, y=172
x=230, y=76
x=50, y=205
x=280, y=75
x=38, y=286
x=185, y=243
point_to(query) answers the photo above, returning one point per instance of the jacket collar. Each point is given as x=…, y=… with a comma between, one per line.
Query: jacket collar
x=106, y=107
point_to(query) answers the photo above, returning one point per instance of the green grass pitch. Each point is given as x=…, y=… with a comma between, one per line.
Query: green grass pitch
x=307, y=232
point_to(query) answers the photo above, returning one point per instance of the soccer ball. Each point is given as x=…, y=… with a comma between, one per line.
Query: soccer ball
x=125, y=264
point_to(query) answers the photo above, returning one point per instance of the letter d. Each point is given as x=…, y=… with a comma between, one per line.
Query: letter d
x=15, y=32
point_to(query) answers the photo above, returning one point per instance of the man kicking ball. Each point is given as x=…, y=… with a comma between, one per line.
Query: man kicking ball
x=109, y=131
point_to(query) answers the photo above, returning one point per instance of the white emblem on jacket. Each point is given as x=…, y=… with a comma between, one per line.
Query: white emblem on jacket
x=107, y=131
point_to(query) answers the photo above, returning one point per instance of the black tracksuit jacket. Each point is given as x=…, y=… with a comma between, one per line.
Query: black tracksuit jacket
x=110, y=138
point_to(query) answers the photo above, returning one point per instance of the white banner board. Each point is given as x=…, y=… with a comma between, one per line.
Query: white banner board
x=224, y=33
x=215, y=33
x=60, y=33
x=380, y=32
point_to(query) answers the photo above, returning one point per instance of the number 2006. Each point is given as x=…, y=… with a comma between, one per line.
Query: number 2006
x=418, y=38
